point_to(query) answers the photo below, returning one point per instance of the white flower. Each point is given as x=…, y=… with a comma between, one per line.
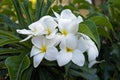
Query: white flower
x=46, y=25
x=36, y=28
x=69, y=52
x=86, y=44
x=43, y=48
x=92, y=55
x=49, y=26
x=67, y=22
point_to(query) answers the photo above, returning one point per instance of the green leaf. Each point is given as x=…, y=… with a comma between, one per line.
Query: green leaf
x=93, y=29
x=3, y=57
x=17, y=7
x=9, y=51
x=85, y=75
x=27, y=73
x=45, y=9
x=83, y=28
x=6, y=19
x=39, y=6
x=104, y=33
x=8, y=35
x=25, y=8
x=84, y=72
x=48, y=63
x=44, y=74
x=16, y=65
x=9, y=22
x=100, y=20
x=8, y=41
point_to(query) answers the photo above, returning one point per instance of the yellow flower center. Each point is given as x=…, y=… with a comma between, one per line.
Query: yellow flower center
x=48, y=31
x=43, y=49
x=69, y=49
x=64, y=32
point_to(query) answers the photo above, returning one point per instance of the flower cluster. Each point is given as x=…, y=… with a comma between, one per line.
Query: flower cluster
x=60, y=31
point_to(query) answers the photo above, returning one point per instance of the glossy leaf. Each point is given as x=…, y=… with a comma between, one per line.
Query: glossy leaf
x=100, y=20
x=83, y=28
x=93, y=29
x=104, y=33
x=16, y=65
x=27, y=73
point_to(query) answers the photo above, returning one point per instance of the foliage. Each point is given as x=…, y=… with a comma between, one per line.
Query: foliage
x=100, y=24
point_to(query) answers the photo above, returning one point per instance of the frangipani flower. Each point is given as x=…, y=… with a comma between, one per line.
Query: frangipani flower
x=67, y=22
x=46, y=25
x=49, y=26
x=70, y=52
x=36, y=28
x=43, y=48
x=62, y=32
x=86, y=44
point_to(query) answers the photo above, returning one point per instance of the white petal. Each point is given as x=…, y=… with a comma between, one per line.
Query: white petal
x=34, y=51
x=67, y=14
x=71, y=26
x=37, y=28
x=51, y=54
x=26, y=38
x=63, y=44
x=91, y=63
x=49, y=42
x=68, y=22
x=78, y=58
x=63, y=58
x=38, y=41
x=34, y=24
x=63, y=24
x=37, y=59
x=92, y=53
x=48, y=22
x=52, y=35
x=80, y=19
x=56, y=14
x=88, y=40
x=24, y=31
x=57, y=39
x=96, y=49
x=82, y=45
x=71, y=41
